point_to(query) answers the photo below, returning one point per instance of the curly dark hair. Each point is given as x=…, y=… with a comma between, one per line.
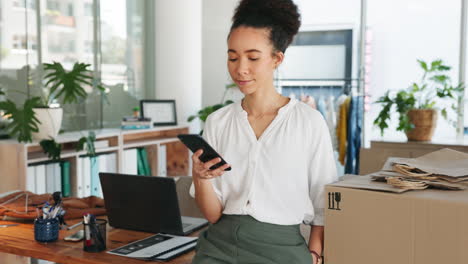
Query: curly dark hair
x=280, y=16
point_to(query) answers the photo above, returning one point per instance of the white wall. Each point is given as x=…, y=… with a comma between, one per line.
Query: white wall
x=332, y=14
x=178, y=55
x=216, y=24
x=403, y=31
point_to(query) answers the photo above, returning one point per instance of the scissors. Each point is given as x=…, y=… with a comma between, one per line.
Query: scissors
x=9, y=225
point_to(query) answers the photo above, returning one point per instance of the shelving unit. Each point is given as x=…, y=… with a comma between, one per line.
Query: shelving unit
x=15, y=157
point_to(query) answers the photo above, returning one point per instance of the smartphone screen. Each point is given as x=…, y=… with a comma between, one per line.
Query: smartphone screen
x=195, y=142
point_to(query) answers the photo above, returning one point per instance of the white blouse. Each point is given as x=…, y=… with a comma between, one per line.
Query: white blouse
x=280, y=177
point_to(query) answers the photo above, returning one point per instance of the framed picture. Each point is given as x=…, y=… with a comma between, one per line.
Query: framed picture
x=161, y=112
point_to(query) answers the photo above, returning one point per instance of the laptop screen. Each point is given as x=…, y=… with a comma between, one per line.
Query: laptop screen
x=143, y=203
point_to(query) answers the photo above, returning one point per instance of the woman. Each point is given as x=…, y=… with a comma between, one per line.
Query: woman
x=279, y=149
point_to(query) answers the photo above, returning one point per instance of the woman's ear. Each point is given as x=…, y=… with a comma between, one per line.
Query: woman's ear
x=278, y=58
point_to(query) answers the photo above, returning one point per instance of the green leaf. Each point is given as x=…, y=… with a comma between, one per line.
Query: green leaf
x=89, y=142
x=80, y=144
x=51, y=148
x=68, y=85
x=435, y=65
x=440, y=78
x=23, y=120
x=404, y=123
x=384, y=115
x=443, y=112
x=423, y=65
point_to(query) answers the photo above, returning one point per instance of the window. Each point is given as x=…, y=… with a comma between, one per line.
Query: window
x=18, y=48
x=67, y=36
x=53, y=5
x=88, y=46
x=122, y=56
x=70, y=9
x=20, y=42
x=88, y=9
x=21, y=3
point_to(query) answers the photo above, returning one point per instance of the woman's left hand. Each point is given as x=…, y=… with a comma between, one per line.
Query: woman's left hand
x=315, y=260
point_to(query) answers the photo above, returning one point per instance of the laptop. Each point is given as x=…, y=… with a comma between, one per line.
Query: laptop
x=145, y=203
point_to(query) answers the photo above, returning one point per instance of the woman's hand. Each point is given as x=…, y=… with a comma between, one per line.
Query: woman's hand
x=202, y=170
x=316, y=259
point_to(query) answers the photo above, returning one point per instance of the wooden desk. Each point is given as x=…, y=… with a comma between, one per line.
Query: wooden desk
x=19, y=240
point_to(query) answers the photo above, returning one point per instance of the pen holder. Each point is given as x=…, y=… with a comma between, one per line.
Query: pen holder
x=46, y=230
x=95, y=236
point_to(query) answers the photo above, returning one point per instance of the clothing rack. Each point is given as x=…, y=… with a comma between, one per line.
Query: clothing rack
x=346, y=84
x=322, y=90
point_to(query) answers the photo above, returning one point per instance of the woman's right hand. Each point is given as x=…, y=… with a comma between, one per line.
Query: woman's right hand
x=201, y=170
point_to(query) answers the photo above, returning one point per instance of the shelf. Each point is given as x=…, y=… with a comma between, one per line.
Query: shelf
x=41, y=157
x=16, y=156
x=148, y=143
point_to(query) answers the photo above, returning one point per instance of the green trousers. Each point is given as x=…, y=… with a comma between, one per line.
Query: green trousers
x=241, y=239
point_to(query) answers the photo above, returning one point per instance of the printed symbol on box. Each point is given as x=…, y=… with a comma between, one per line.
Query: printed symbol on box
x=332, y=198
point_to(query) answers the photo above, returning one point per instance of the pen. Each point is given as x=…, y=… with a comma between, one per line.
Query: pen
x=87, y=230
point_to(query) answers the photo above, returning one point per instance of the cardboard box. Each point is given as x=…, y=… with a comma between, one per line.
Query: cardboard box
x=415, y=227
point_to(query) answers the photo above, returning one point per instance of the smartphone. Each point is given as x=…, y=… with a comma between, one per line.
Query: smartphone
x=195, y=142
x=78, y=236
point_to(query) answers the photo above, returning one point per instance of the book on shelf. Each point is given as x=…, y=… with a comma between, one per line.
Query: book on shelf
x=129, y=127
x=136, y=118
x=162, y=161
x=40, y=173
x=65, y=173
x=130, y=161
x=143, y=164
x=136, y=123
x=50, y=178
x=86, y=176
x=31, y=179
x=94, y=174
x=107, y=163
x=53, y=177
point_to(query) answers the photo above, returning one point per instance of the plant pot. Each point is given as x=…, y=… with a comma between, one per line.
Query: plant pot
x=51, y=121
x=424, y=121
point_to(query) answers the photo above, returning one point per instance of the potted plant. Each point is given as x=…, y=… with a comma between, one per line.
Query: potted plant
x=206, y=111
x=41, y=116
x=60, y=84
x=418, y=104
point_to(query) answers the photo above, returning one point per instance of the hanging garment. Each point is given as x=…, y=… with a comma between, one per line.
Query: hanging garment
x=292, y=95
x=354, y=135
x=331, y=119
x=342, y=129
x=309, y=100
x=321, y=106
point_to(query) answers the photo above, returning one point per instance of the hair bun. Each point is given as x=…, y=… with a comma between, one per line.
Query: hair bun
x=279, y=15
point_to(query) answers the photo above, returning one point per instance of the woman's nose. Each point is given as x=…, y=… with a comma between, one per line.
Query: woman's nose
x=243, y=67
